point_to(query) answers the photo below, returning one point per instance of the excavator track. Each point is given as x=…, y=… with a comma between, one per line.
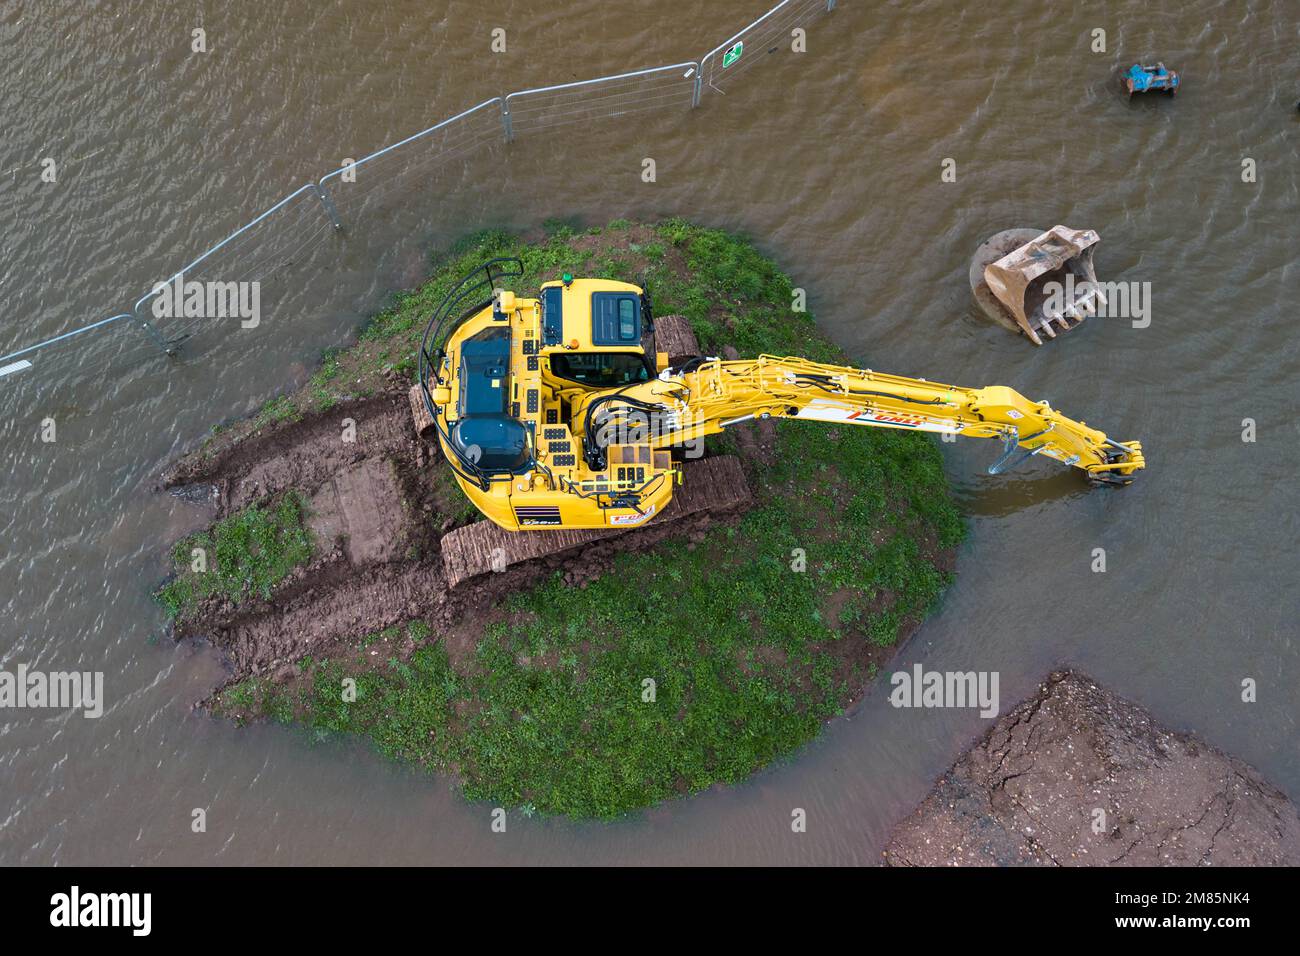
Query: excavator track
x=713, y=485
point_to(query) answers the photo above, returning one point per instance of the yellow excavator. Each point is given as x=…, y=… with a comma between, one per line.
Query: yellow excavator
x=554, y=414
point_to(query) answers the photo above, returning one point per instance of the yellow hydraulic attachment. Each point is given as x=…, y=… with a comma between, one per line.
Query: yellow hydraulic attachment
x=553, y=416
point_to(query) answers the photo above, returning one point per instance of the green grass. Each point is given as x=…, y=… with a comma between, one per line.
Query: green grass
x=748, y=656
x=243, y=555
x=278, y=409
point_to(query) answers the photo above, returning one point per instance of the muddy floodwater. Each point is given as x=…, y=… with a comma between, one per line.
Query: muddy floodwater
x=832, y=159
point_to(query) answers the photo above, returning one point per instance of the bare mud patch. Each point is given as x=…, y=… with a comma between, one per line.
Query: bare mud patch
x=1078, y=776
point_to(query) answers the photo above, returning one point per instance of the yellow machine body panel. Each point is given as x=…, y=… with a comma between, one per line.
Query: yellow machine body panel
x=534, y=377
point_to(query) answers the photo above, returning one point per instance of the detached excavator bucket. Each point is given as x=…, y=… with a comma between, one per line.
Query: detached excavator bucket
x=1049, y=283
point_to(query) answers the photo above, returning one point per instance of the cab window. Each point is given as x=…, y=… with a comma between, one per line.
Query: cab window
x=601, y=369
x=615, y=318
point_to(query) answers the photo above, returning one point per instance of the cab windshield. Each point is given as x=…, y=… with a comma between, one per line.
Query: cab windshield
x=601, y=369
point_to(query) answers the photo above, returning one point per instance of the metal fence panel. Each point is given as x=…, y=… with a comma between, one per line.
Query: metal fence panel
x=83, y=348
x=769, y=35
x=263, y=249
x=377, y=181
x=603, y=98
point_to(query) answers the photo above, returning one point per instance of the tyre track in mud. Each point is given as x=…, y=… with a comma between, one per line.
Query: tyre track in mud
x=301, y=454
x=355, y=585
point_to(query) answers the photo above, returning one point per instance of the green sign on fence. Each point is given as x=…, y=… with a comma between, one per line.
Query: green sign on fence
x=732, y=55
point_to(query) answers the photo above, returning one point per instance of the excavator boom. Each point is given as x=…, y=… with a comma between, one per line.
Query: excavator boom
x=707, y=395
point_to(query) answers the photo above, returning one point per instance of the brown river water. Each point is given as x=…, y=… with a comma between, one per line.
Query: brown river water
x=831, y=160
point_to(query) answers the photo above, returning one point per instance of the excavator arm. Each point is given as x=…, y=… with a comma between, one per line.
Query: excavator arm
x=706, y=395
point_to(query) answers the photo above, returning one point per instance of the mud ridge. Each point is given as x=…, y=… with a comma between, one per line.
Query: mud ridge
x=343, y=603
x=301, y=454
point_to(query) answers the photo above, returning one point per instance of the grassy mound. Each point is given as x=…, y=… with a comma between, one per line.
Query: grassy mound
x=696, y=663
x=244, y=555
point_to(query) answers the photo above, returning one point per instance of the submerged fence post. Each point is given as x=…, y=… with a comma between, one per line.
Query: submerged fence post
x=330, y=209
x=148, y=329
x=506, y=121
x=830, y=5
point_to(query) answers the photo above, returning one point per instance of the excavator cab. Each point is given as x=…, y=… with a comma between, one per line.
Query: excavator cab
x=484, y=432
x=592, y=332
x=504, y=386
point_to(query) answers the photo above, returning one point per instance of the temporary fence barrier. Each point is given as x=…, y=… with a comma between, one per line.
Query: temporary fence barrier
x=332, y=205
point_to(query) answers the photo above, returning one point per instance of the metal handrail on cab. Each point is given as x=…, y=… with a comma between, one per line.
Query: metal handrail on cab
x=440, y=328
x=436, y=333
